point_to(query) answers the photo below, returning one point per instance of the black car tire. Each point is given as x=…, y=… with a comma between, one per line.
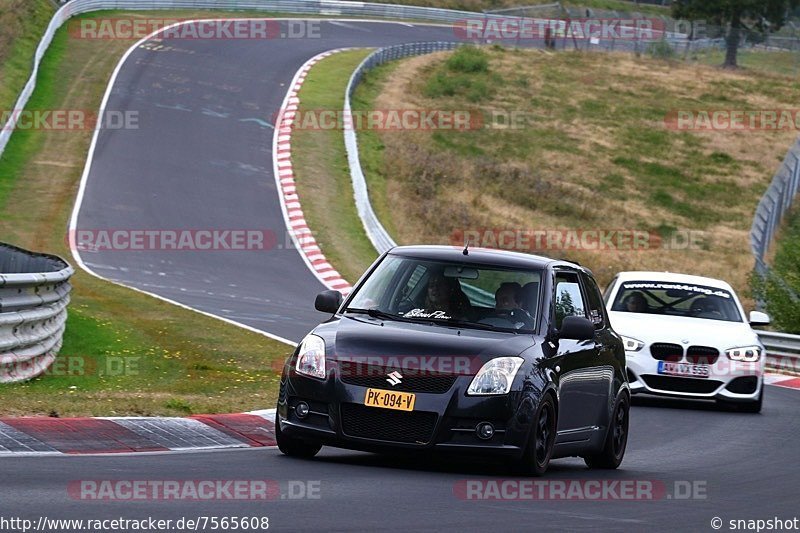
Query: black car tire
x=541, y=441
x=295, y=447
x=616, y=440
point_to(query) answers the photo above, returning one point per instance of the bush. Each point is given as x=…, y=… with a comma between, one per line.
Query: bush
x=661, y=50
x=468, y=59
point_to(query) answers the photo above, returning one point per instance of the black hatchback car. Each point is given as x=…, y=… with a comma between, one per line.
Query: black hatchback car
x=477, y=351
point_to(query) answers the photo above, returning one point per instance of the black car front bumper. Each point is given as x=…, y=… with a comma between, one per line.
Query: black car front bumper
x=440, y=421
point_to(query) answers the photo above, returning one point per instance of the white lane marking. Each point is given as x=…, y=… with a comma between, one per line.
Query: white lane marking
x=73, y=224
x=290, y=98
x=349, y=26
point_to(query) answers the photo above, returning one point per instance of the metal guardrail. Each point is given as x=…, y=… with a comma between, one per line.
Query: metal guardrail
x=770, y=212
x=34, y=294
x=377, y=234
x=783, y=350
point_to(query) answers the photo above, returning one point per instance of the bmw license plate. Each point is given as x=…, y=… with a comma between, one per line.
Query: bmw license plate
x=387, y=399
x=688, y=370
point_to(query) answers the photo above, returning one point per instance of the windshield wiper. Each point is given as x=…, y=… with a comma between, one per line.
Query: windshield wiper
x=476, y=325
x=375, y=313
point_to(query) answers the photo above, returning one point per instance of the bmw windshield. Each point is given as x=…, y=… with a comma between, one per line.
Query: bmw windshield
x=676, y=299
x=453, y=294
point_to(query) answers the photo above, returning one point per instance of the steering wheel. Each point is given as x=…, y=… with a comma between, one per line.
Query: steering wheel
x=516, y=316
x=405, y=303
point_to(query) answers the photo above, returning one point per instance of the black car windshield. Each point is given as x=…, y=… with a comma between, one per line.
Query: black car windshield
x=457, y=294
x=676, y=299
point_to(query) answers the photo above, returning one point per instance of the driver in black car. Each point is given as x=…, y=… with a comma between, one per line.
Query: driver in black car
x=445, y=294
x=507, y=296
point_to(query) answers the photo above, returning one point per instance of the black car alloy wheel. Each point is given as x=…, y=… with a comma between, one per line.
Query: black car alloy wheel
x=543, y=436
x=617, y=439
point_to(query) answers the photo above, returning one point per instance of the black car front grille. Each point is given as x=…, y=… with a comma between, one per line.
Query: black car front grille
x=375, y=377
x=282, y=392
x=412, y=427
x=676, y=384
x=665, y=351
x=704, y=355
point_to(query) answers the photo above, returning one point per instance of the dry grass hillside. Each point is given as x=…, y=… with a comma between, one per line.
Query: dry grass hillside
x=594, y=152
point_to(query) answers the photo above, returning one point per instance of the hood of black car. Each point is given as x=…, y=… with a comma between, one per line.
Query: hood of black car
x=362, y=337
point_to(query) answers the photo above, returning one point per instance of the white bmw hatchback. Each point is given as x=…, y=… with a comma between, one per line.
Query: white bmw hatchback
x=686, y=336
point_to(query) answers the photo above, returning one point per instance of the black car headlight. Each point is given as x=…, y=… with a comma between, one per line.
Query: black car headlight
x=748, y=354
x=495, y=377
x=311, y=357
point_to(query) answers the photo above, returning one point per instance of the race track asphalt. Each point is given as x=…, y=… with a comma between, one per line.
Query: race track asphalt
x=744, y=465
x=200, y=158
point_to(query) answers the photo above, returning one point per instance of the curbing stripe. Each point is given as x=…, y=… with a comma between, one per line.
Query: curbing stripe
x=180, y=433
x=305, y=243
x=83, y=435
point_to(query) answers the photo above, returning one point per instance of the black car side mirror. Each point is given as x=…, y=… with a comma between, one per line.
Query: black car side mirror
x=328, y=301
x=576, y=328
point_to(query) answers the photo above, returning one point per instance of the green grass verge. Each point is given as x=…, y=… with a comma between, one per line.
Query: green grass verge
x=320, y=165
x=780, y=63
x=781, y=305
x=22, y=24
x=174, y=361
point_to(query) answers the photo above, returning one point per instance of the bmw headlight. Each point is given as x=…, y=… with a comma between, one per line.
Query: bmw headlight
x=748, y=354
x=496, y=376
x=311, y=358
x=631, y=344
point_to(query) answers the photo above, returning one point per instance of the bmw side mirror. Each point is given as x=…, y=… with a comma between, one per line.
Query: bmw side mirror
x=328, y=301
x=576, y=328
x=757, y=318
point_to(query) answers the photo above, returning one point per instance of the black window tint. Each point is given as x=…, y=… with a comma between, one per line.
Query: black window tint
x=595, y=302
x=568, y=298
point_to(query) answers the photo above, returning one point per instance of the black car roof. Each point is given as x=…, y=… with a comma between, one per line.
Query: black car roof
x=482, y=256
